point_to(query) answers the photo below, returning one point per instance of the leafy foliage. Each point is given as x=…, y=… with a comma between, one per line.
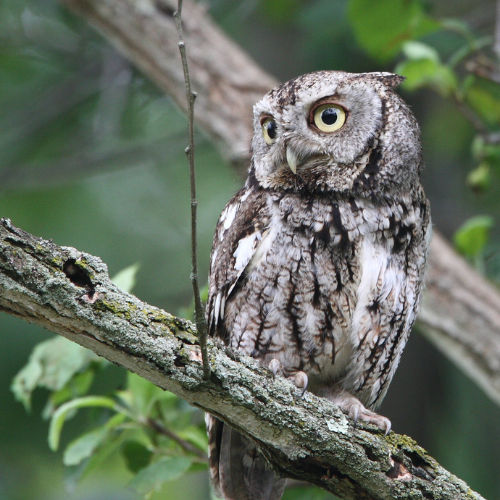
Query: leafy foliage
x=63, y=367
x=159, y=436
x=423, y=68
x=383, y=27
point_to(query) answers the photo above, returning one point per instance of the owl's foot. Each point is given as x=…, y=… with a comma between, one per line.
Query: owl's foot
x=357, y=411
x=299, y=378
x=275, y=367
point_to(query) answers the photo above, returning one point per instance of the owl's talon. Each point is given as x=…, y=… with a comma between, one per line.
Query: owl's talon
x=388, y=427
x=300, y=379
x=355, y=415
x=275, y=366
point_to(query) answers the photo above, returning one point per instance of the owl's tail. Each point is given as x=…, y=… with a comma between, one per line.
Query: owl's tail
x=237, y=469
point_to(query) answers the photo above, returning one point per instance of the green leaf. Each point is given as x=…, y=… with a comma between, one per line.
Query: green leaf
x=382, y=27
x=137, y=456
x=479, y=179
x=485, y=151
x=484, y=97
x=144, y=394
x=458, y=26
x=473, y=235
x=85, y=445
x=418, y=50
x=195, y=435
x=427, y=72
x=76, y=387
x=51, y=365
x=153, y=476
x=126, y=278
x=109, y=446
x=59, y=417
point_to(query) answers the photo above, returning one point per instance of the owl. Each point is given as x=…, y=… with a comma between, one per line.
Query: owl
x=318, y=261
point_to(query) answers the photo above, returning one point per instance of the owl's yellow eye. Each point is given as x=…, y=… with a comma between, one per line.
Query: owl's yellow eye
x=269, y=129
x=328, y=117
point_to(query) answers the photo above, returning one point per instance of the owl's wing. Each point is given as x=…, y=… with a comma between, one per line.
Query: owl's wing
x=239, y=232
x=236, y=469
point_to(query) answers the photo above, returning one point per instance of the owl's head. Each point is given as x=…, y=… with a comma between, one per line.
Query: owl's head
x=336, y=131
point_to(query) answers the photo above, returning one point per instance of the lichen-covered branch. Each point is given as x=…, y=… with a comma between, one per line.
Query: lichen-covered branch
x=308, y=438
x=461, y=310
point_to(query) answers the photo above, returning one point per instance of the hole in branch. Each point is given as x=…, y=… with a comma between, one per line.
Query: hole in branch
x=398, y=471
x=78, y=276
x=371, y=455
x=421, y=467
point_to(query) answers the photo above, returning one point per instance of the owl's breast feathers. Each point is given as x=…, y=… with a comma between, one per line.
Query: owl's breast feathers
x=326, y=285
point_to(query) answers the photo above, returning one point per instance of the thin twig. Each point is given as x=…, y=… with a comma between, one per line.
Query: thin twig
x=201, y=325
x=185, y=445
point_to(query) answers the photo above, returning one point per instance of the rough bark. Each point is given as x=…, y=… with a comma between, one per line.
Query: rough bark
x=69, y=292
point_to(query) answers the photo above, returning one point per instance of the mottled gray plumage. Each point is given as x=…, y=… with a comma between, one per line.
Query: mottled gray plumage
x=317, y=263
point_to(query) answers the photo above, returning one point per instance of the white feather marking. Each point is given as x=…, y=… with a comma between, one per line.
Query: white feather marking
x=222, y=307
x=264, y=246
x=230, y=215
x=245, y=196
x=227, y=218
x=209, y=422
x=214, y=257
x=244, y=251
x=217, y=308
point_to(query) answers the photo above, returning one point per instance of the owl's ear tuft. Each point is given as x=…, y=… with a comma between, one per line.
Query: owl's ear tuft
x=390, y=79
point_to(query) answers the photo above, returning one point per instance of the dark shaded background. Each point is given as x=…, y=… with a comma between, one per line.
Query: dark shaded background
x=91, y=155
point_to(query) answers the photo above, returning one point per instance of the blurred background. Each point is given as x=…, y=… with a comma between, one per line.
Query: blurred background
x=91, y=156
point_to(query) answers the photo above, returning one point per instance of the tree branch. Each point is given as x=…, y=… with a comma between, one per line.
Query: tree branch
x=461, y=310
x=308, y=438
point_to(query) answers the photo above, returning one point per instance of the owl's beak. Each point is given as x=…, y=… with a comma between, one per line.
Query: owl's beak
x=292, y=160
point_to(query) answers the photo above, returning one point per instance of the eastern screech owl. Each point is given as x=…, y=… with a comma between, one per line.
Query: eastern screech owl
x=317, y=263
